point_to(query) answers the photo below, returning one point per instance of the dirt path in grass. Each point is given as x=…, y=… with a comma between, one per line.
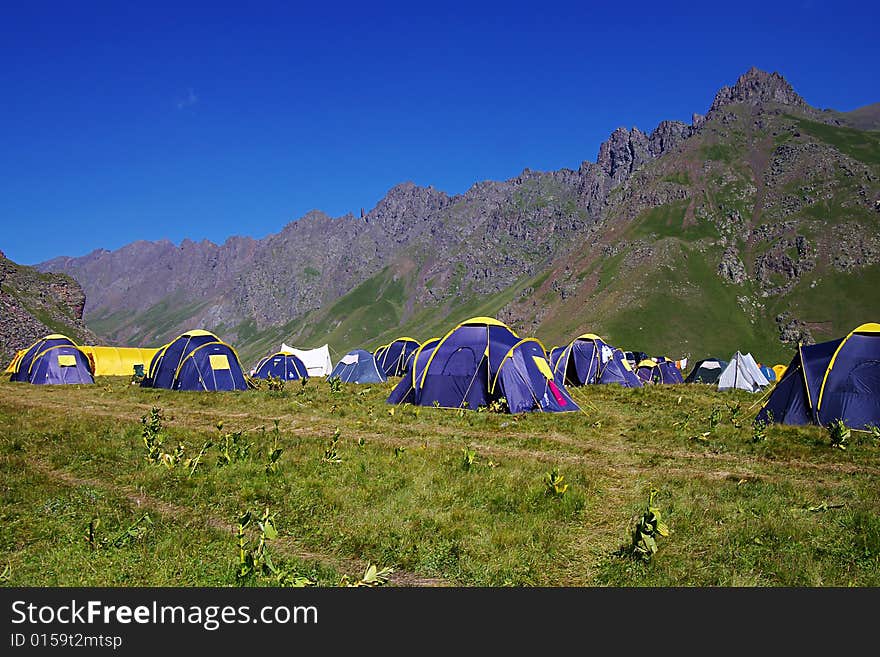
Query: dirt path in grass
x=721, y=465
x=285, y=544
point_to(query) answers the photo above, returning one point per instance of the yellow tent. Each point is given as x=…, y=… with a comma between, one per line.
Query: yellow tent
x=780, y=370
x=118, y=361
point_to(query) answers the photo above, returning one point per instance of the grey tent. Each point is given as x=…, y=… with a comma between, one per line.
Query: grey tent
x=742, y=372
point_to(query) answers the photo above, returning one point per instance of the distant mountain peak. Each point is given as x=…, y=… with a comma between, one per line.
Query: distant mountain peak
x=756, y=86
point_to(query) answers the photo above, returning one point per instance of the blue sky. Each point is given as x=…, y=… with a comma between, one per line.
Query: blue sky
x=127, y=121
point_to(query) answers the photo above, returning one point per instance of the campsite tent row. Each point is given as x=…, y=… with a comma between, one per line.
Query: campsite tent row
x=105, y=361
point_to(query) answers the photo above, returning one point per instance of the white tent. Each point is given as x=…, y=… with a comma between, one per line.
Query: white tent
x=742, y=372
x=317, y=361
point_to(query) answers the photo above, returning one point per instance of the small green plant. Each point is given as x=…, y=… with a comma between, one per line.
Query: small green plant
x=469, y=457
x=335, y=384
x=275, y=383
x=399, y=451
x=839, y=433
x=499, y=405
x=171, y=459
x=361, y=441
x=254, y=559
x=759, y=431
x=373, y=576
x=6, y=575
x=436, y=403
x=233, y=446
x=331, y=454
x=683, y=423
x=647, y=529
x=193, y=462
x=152, y=435
x=131, y=533
x=92, y=533
x=553, y=483
x=274, y=453
x=735, y=409
x=714, y=418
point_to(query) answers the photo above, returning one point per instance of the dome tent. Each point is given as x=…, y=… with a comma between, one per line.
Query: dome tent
x=481, y=361
x=358, y=366
x=834, y=380
x=707, y=370
x=196, y=360
x=404, y=391
x=54, y=359
x=663, y=371
x=589, y=360
x=284, y=366
x=393, y=358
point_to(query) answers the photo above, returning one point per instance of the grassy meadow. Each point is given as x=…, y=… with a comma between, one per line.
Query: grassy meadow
x=444, y=498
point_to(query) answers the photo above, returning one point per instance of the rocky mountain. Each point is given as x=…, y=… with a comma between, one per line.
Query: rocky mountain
x=751, y=227
x=35, y=304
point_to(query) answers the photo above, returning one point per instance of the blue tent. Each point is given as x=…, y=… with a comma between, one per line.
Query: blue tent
x=404, y=391
x=393, y=358
x=834, y=380
x=659, y=371
x=54, y=359
x=281, y=366
x=358, y=366
x=196, y=360
x=588, y=359
x=480, y=361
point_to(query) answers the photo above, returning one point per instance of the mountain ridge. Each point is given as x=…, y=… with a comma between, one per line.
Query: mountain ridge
x=443, y=250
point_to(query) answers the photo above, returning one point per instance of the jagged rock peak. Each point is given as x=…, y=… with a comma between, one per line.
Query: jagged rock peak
x=406, y=202
x=626, y=150
x=756, y=86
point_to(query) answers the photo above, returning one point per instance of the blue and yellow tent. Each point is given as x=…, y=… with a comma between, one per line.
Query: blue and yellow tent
x=288, y=367
x=834, y=380
x=54, y=359
x=589, y=359
x=393, y=358
x=196, y=360
x=480, y=361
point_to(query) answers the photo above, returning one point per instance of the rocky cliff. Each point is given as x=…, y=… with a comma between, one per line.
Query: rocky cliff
x=35, y=304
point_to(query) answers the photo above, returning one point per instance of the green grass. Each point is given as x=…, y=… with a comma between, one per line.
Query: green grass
x=739, y=511
x=679, y=178
x=668, y=221
x=718, y=152
x=862, y=145
x=688, y=309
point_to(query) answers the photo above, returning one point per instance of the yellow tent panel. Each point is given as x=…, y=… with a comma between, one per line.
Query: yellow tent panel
x=118, y=361
x=11, y=367
x=780, y=370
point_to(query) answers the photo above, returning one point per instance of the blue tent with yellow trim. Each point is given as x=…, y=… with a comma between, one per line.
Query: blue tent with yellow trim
x=588, y=359
x=480, y=361
x=834, y=380
x=281, y=365
x=196, y=360
x=54, y=359
x=393, y=358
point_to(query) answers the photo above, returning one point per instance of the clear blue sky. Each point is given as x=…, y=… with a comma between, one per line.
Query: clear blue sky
x=125, y=121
